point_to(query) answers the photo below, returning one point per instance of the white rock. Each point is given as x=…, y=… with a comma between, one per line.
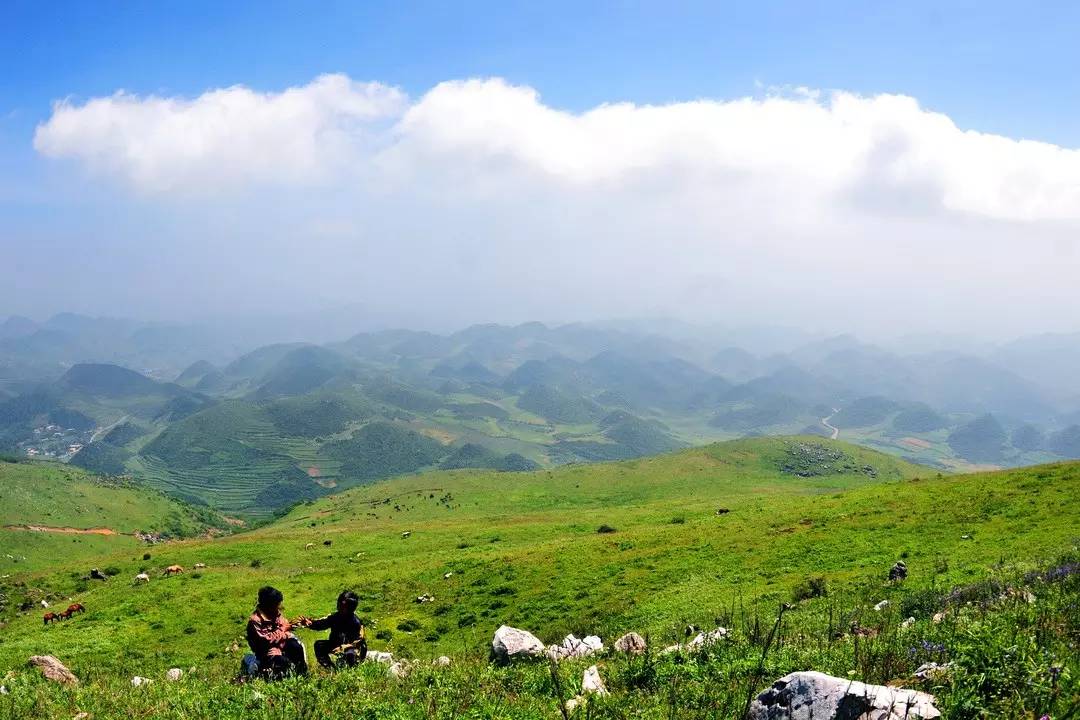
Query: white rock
x=631, y=643
x=45, y=604
x=200, y=566
x=573, y=703
x=406, y=534
x=379, y=657
x=511, y=643
x=53, y=669
x=3, y=690
x=881, y=605
x=591, y=684
x=139, y=681
x=447, y=576
x=400, y=669
x=442, y=661
x=930, y=670
x=938, y=617
x=142, y=578
x=710, y=638
x=817, y=696
x=671, y=649
x=574, y=647
x=174, y=674
x=908, y=623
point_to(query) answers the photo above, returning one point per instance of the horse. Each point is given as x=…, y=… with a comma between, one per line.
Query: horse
x=51, y=617
x=75, y=608
x=174, y=570
x=66, y=615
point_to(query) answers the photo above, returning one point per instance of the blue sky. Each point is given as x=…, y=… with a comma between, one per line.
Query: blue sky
x=999, y=68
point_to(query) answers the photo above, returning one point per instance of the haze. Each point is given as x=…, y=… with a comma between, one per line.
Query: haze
x=463, y=194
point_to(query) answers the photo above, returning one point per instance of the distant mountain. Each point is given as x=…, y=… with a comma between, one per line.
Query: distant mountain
x=103, y=380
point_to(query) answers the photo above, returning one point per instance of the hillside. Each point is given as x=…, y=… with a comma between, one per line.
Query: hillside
x=525, y=549
x=50, y=511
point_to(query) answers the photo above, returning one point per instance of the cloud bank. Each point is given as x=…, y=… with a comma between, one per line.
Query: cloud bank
x=801, y=206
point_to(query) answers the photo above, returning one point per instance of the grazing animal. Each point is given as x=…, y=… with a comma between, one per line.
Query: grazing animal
x=200, y=566
x=45, y=604
x=75, y=608
x=96, y=574
x=51, y=617
x=66, y=615
x=142, y=578
x=174, y=570
x=309, y=546
x=327, y=543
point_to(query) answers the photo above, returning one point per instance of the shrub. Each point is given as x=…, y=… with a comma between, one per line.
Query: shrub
x=678, y=520
x=256, y=563
x=384, y=634
x=409, y=625
x=111, y=571
x=605, y=529
x=812, y=587
x=146, y=556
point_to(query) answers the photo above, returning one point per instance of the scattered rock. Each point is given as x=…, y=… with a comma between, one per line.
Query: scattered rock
x=908, y=623
x=406, y=534
x=447, y=576
x=938, y=617
x=573, y=647
x=591, y=684
x=399, y=669
x=142, y=578
x=631, y=643
x=53, y=669
x=670, y=649
x=881, y=605
x=898, y=571
x=81, y=716
x=3, y=690
x=425, y=598
x=931, y=670
x=45, y=604
x=817, y=696
x=200, y=566
x=511, y=643
x=965, y=537
x=709, y=638
x=573, y=703
x=139, y=681
x=174, y=674
x=442, y=661
x=96, y=574
x=379, y=657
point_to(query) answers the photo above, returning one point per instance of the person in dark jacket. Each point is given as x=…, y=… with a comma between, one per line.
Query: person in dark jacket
x=346, y=631
x=275, y=650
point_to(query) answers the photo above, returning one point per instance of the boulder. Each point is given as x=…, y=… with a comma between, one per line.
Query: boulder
x=931, y=670
x=908, y=623
x=708, y=638
x=139, y=681
x=881, y=605
x=938, y=617
x=442, y=661
x=3, y=690
x=591, y=684
x=45, y=604
x=174, y=674
x=817, y=696
x=574, y=647
x=898, y=571
x=379, y=657
x=399, y=669
x=53, y=669
x=511, y=643
x=81, y=716
x=631, y=643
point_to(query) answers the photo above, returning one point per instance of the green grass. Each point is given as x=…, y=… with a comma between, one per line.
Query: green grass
x=524, y=550
x=59, y=496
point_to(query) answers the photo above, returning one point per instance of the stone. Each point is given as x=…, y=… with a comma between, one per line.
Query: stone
x=591, y=683
x=817, y=696
x=3, y=690
x=908, y=623
x=406, y=534
x=81, y=716
x=574, y=647
x=573, y=703
x=670, y=649
x=447, y=576
x=709, y=638
x=938, y=617
x=631, y=643
x=45, y=604
x=53, y=669
x=399, y=670
x=379, y=657
x=442, y=661
x=139, y=681
x=511, y=643
x=931, y=670
x=425, y=598
x=174, y=674
x=898, y=571
x=881, y=605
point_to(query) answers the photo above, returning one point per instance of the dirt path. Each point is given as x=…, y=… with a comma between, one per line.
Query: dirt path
x=64, y=530
x=101, y=431
x=825, y=422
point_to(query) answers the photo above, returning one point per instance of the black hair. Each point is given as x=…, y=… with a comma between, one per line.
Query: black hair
x=270, y=597
x=350, y=599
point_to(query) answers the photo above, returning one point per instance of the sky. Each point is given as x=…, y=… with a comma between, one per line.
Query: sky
x=867, y=167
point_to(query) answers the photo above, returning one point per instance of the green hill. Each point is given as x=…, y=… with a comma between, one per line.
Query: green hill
x=62, y=499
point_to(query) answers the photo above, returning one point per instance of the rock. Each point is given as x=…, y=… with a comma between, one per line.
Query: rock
x=881, y=605
x=898, y=571
x=908, y=623
x=406, y=534
x=174, y=674
x=442, y=661
x=817, y=696
x=710, y=638
x=53, y=669
x=96, y=574
x=3, y=690
x=139, y=681
x=591, y=684
x=45, y=604
x=81, y=716
x=399, y=669
x=573, y=703
x=425, y=598
x=447, y=576
x=938, y=617
x=200, y=566
x=631, y=643
x=573, y=647
x=379, y=657
x=931, y=670
x=511, y=643
x=142, y=578
x=670, y=649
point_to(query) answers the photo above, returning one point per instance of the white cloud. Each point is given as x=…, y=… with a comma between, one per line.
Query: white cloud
x=479, y=201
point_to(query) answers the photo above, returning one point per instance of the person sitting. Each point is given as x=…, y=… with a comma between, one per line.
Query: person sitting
x=275, y=650
x=346, y=633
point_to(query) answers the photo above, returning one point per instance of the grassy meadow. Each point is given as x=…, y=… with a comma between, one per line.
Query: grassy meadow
x=720, y=534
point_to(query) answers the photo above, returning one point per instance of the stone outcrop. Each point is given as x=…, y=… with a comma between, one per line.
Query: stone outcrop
x=174, y=674
x=574, y=647
x=53, y=669
x=631, y=643
x=512, y=644
x=817, y=696
x=591, y=683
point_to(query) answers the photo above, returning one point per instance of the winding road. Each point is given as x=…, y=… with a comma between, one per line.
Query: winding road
x=825, y=422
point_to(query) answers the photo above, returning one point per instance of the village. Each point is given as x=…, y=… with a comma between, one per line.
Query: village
x=55, y=442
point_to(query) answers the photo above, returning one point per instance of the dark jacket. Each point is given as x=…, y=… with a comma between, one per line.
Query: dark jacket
x=343, y=628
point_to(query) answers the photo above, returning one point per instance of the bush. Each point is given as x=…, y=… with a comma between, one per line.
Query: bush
x=605, y=529
x=111, y=571
x=146, y=556
x=256, y=563
x=384, y=635
x=408, y=625
x=678, y=520
x=812, y=587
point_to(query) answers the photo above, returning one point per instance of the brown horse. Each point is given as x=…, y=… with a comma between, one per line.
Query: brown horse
x=74, y=608
x=51, y=617
x=174, y=570
x=66, y=615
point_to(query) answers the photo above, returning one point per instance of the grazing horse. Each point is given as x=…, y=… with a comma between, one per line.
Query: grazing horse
x=66, y=615
x=75, y=608
x=174, y=570
x=51, y=617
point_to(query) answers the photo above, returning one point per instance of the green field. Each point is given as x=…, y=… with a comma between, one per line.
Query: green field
x=525, y=549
